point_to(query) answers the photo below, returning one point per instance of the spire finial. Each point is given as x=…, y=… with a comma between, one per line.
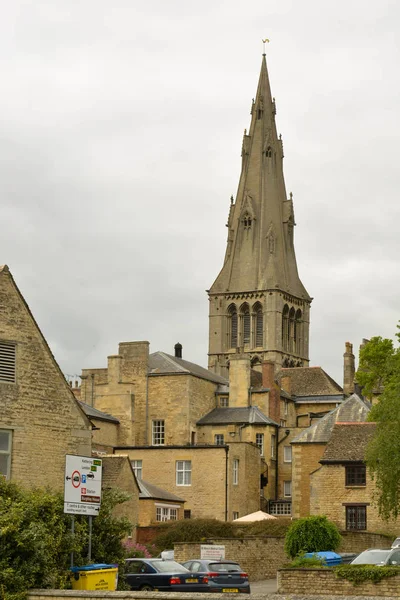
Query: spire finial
x=266, y=41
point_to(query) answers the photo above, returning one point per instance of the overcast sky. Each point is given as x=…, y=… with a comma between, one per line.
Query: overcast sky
x=121, y=126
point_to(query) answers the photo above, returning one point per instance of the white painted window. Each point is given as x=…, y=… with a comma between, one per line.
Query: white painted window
x=224, y=401
x=183, y=472
x=219, y=439
x=158, y=433
x=235, y=515
x=166, y=513
x=273, y=446
x=286, y=408
x=137, y=467
x=280, y=508
x=287, y=454
x=7, y=362
x=260, y=442
x=287, y=489
x=235, y=471
x=5, y=452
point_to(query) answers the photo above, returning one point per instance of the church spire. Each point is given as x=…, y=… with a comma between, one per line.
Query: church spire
x=260, y=263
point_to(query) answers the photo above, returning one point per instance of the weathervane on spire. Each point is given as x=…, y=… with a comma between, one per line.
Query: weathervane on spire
x=266, y=41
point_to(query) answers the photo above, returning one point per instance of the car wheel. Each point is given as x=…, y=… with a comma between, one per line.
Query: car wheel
x=146, y=588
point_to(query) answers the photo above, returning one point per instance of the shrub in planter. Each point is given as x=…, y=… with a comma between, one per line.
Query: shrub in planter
x=311, y=534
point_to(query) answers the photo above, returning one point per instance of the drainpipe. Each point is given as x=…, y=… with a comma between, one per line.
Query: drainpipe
x=146, y=436
x=92, y=388
x=287, y=431
x=226, y=482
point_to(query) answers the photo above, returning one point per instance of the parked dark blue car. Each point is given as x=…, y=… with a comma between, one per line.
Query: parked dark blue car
x=222, y=575
x=162, y=575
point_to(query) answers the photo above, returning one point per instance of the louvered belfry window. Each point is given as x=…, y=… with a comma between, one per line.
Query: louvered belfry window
x=234, y=329
x=259, y=327
x=7, y=362
x=246, y=326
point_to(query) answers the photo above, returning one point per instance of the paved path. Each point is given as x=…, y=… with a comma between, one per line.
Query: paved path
x=266, y=586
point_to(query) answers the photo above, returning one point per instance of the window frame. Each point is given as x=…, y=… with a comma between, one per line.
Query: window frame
x=359, y=517
x=166, y=513
x=137, y=469
x=158, y=431
x=280, y=508
x=224, y=401
x=260, y=445
x=273, y=445
x=235, y=515
x=355, y=476
x=235, y=471
x=287, y=485
x=285, y=450
x=183, y=468
x=219, y=439
x=7, y=453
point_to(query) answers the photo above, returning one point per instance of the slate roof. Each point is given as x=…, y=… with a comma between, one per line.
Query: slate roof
x=148, y=490
x=353, y=409
x=348, y=442
x=310, y=381
x=97, y=414
x=251, y=415
x=161, y=363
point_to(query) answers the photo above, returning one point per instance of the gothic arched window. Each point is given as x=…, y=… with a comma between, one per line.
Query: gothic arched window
x=299, y=331
x=232, y=326
x=259, y=324
x=246, y=323
x=285, y=327
x=292, y=330
x=268, y=152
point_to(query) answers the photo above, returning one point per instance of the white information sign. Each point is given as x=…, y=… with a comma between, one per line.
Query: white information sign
x=209, y=551
x=82, y=485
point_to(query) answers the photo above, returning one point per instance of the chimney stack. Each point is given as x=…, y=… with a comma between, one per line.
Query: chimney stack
x=349, y=370
x=178, y=350
x=268, y=381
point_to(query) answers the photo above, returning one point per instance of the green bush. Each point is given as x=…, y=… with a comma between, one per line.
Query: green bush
x=311, y=534
x=360, y=573
x=191, y=530
x=36, y=539
x=307, y=562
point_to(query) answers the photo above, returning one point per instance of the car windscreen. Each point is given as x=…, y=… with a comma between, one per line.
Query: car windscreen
x=219, y=567
x=168, y=566
x=371, y=557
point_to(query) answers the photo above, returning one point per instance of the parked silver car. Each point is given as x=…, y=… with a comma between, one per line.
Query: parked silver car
x=376, y=556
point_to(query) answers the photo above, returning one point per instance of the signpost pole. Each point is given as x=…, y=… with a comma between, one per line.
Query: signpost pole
x=90, y=539
x=72, y=534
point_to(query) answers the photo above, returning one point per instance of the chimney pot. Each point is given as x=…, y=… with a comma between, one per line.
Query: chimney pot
x=178, y=350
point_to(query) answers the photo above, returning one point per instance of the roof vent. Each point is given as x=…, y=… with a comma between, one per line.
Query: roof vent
x=178, y=350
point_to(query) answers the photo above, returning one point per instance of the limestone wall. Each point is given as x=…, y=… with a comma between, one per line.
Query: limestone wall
x=306, y=582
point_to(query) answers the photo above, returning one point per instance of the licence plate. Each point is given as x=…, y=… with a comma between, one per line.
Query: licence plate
x=230, y=590
x=192, y=580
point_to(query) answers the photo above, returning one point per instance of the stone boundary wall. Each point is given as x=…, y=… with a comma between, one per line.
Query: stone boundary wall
x=307, y=582
x=260, y=557
x=357, y=541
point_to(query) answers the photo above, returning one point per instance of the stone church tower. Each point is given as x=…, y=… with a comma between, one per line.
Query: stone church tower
x=258, y=305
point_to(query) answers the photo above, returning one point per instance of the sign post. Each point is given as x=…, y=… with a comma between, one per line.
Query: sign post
x=82, y=489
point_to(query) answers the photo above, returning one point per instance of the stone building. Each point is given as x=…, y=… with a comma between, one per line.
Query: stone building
x=40, y=420
x=342, y=468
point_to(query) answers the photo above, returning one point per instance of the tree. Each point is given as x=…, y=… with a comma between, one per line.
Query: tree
x=380, y=370
x=311, y=534
x=36, y=541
